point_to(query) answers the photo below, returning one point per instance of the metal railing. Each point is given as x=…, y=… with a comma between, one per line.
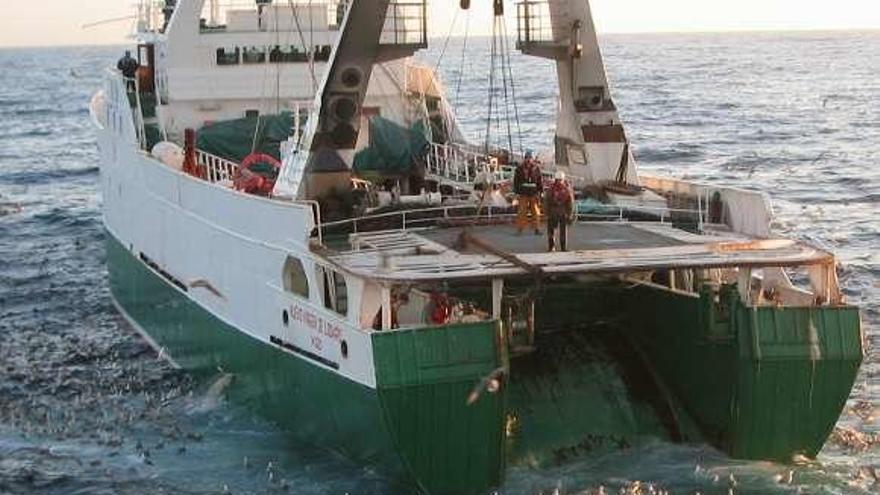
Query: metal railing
x=403, y=220
x=150, y=17
x=417, y=218
x=464, y=166
x=405, y=24
x=534, y=23
x=281, y=14
x=216, y=168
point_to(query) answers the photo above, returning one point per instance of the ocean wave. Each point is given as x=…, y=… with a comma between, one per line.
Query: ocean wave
x=657, y=155
x=31, y=177
x=29, y=111
x=97, y=405
x=18, y=133
x=872, y=198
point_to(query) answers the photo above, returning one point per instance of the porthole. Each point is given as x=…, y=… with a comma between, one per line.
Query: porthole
x=344, y=134
x=344, y=108
x=285, y=318
x=343, y=347
x=351, y=77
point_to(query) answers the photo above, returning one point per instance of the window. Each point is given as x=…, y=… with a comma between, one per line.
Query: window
x=322, y=53
x=335, y=291
x=227, y=56
x=144, y=55
x=253, y=55
x=287, y=54
x=295, y=280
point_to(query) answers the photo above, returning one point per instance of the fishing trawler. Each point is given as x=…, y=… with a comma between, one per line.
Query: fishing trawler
x=287, y=198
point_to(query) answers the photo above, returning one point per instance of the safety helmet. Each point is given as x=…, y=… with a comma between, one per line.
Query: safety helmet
x=560, y=175
x=530, y=154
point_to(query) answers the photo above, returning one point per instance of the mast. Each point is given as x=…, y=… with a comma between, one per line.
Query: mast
x=590, y=137
x=372, y=32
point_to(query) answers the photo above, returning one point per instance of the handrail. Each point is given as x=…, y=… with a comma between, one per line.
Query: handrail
x=616, y=213
x=316, y=211
x=465, y=166
x=217, y=168
x=459, y=164
x=139, y=118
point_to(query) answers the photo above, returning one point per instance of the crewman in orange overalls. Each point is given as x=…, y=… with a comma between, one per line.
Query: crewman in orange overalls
x=560, y=212
x=528, y=186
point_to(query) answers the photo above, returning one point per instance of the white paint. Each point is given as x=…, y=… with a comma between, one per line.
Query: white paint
x=579, y=67
x=199, y=91
x=236, y=242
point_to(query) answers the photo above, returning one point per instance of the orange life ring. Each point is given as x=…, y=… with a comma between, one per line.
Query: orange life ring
x=251, y=182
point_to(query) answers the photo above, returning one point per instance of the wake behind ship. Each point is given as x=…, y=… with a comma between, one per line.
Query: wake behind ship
x=288, y=198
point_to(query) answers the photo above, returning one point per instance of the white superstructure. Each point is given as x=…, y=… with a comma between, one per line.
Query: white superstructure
x=215, y=60
x=246, y=259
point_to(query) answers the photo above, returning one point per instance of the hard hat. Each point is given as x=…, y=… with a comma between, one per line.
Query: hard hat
x=560, y=175
x=530, y=153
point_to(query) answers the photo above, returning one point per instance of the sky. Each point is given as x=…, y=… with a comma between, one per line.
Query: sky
x=60, y=22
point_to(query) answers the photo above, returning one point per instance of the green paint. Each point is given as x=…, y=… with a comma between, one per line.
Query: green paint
x=424, y=379
x=762, y=383
x=613, y=364
x=315, y=405
x=416, y=427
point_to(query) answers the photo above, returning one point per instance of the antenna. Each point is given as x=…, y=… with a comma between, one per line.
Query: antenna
x=108, y=21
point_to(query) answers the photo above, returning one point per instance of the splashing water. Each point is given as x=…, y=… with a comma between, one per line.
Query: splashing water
x=88, y=408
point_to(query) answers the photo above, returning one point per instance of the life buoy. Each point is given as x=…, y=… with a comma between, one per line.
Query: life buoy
x=251, y=182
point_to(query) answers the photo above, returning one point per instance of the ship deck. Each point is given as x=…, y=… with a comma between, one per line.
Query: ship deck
x=481, y=251
x=590, y=236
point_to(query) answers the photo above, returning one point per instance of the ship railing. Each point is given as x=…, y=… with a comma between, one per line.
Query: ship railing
x=406, y=24
x=534, y=24
x=139, y=124
x=464, y=166
x=217, y=169
x=150, y=16
x=268, y=17
x=474, y=214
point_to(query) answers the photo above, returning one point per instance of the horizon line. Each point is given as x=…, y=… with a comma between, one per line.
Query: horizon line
x=601, y=34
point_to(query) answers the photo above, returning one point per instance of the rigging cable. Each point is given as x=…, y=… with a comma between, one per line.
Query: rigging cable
x=513, y=96
x=446, y=43
x=491, y=86
x=504, y=58
x=467, y=22
x=309, y=50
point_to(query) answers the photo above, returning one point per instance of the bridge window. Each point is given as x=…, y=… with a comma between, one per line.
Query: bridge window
x=335, y=291
x=295, y=280
x=277, y=54
x=227, y=56
x=287, y=54
x=322, y=53
x=254, y=55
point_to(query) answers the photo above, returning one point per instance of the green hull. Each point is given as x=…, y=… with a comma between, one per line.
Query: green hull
x=415, y=426
x=759, y=384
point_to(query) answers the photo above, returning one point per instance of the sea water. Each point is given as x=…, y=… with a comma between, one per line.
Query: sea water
x=87, y=408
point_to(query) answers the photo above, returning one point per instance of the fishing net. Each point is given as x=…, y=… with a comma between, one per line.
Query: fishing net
x=234, y=139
